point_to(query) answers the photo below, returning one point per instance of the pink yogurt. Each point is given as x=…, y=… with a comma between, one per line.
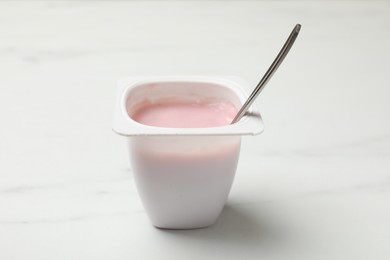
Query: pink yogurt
x=180, y=114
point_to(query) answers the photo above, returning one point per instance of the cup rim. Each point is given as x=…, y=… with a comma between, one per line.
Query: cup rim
x=250, y=124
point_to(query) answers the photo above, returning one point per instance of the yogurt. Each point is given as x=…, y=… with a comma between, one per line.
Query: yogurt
x=181, y=114
x=183, y=148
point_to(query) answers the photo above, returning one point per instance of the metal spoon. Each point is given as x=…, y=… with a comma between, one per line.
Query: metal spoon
x=267, y=76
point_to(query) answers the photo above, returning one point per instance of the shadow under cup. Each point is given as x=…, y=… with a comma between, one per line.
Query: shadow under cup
x=183, y=175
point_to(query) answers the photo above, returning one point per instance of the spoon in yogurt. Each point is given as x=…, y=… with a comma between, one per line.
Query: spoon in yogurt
x=270, y=72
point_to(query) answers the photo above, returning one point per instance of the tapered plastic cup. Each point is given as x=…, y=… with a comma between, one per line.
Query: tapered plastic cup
x=183, y=175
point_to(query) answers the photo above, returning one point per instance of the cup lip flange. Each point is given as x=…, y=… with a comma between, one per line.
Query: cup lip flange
x=250, y=124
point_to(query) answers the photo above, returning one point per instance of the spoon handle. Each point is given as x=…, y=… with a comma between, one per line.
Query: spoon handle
x=267, y=76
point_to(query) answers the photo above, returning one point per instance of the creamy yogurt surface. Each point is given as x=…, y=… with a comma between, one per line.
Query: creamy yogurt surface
x=185, y=114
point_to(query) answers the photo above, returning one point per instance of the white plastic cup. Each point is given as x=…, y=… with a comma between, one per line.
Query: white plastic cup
x=183, y=175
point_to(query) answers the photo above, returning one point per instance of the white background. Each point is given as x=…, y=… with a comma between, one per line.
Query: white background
x=315, y=185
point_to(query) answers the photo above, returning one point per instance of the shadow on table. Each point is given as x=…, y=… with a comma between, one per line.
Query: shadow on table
x=236, y=226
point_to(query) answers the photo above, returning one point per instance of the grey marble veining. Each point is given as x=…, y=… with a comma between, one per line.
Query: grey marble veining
x=315, y=185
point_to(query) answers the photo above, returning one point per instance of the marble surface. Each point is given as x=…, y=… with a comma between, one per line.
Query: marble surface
x=315, y=185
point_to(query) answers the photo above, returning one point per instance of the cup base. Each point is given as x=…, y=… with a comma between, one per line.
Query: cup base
x=185, y=227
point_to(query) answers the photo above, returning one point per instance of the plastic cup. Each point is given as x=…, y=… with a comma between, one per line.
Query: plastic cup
x=183, y=175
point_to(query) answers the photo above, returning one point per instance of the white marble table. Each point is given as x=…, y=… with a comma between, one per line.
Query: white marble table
x=315, y=185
